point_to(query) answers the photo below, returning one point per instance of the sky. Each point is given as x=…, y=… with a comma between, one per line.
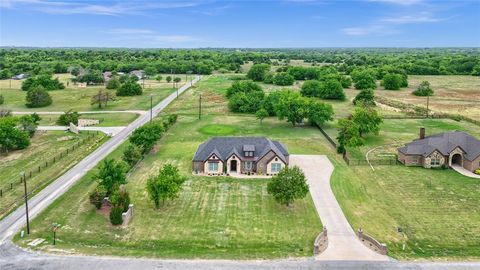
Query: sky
x=240, y=24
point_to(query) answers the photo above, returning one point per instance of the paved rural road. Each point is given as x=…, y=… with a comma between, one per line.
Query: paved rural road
x=111, y=131
x=13, y=258
x=84, y=112
x=343, y=244
x=16, y=220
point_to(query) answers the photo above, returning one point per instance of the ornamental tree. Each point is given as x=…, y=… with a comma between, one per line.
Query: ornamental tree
x=289, y=185
x=166, y=185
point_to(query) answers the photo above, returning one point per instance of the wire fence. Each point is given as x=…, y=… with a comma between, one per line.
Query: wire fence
x=33, y=171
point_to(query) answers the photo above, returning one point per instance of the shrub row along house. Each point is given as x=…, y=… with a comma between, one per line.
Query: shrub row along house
x=442, y=150
x=240, y=155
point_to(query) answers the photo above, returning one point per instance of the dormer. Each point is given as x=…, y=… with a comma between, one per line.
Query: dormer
x=248, y=150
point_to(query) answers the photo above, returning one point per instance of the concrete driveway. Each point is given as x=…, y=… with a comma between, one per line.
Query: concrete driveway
x=464, y=171
x=343, y=244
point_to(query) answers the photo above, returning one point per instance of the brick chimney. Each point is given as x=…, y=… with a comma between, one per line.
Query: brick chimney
x=422, y=133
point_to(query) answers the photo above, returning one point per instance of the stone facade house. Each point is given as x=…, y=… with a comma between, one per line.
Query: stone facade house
x=442, y=150
x=240, y=155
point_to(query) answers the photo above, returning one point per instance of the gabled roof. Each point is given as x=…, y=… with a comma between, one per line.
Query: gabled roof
x=444, y=143
x=224, y=147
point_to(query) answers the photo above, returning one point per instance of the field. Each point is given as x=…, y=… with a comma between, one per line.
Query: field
x=418, y=213
x=79, y=99
x=44, y=146
x=453, y=94
x=214, y=217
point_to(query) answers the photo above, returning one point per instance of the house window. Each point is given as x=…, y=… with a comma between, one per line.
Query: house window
x=249, y=154
x=248, y=165
x=435, y=162
x=213, y=166
x=276, y=167
x=415, y=159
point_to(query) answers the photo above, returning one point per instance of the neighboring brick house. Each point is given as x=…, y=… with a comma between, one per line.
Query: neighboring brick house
x=243, y=155
x=442, y=150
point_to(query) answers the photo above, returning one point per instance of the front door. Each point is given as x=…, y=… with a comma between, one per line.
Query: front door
x=233, y=166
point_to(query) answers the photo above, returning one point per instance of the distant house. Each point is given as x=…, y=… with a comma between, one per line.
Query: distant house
x=107, y=75
x=442, y=150
x=19, y=76
x=139, y=73
x=240, y=155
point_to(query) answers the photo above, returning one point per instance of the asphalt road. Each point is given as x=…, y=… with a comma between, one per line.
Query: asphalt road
x=16, y=220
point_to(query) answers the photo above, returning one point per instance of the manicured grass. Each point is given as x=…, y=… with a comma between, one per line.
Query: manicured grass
x=214, y=217
x=44, y=146
x=106, y=119
x=397, y=132
x=437, y=210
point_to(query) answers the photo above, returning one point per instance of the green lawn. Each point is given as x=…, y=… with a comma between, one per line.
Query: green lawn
x=214, y=217
x=106, y=119
x=436, y=210
x=44, y=146
x=397, y=132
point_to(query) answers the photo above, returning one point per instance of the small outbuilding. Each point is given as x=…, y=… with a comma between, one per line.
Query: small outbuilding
x=442, y=150
x=240, y=155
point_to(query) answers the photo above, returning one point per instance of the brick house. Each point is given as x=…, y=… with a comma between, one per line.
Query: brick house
x=240, y=155
x=442, y=150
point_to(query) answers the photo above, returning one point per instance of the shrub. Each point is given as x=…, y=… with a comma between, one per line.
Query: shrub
x=477, y=171
x=283, y=78
x=120, y=198
x=311, y=88
x=346, y=81
x=116, y=215
x=243, y=86
x=268, y=78
x=38, y=97
x=129, y=88
x=146, y=135
x=366, y=97
x=11, y=137
x=96, y=196
x=114, y=83
x=332, y=89
x=258, y=71
x=68, y=117
x=392, y=81
x=132, y=155
x=169, y=120
x=45, y=81
x=423, y=90
x=364, y=79
x=1, y=99
x=246, y=102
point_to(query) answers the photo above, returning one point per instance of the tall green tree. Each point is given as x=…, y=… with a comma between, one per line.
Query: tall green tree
x=291, y=106
x=29, y=123
x=289, y=185
x=261, y=114
x=129, y=88
x=367, y=119
x=364, y=79
x=392, y=81
x=348, y=135
x=166, y=185
x=11, y=137
x=111, y=174
x=283, y=78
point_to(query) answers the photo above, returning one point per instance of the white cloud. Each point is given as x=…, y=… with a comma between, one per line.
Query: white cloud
x=363, y=31
x=399, y=2
x=149, y=36
x=423, y=17
x=115, y=8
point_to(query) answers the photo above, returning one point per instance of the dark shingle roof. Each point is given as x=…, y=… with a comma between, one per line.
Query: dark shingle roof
x=224, y=147
x=444, y=143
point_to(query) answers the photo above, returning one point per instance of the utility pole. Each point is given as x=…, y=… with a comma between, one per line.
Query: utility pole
x=26, y=202
x=200, y=108
x=428, y=101
x=151, y=107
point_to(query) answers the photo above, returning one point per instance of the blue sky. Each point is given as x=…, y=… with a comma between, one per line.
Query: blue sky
x=209, y=23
